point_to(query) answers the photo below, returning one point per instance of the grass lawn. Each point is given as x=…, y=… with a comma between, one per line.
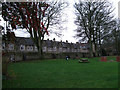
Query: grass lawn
x=63, y=74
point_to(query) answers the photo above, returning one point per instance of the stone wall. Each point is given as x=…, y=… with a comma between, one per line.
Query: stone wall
x=19, y=56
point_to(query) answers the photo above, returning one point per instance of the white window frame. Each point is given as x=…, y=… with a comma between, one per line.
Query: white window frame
x=31, y=48
x=22, y=46
x=28, y=48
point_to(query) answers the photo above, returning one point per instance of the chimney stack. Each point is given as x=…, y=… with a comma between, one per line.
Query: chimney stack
x=66, y=41
x=53, y=39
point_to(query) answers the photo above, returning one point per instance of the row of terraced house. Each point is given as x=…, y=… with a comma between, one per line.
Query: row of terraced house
x=23, y=45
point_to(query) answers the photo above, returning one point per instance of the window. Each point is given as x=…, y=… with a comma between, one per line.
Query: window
x=11, y=46
x=60, y=49
x=68, y=50
x=22, y=47
x=55, y=49
x=44, y=49
x=50, y=49
x=72, y=50
x=31, y=48
x=36, y=48
x=28, y=48
x=75, y=50
x=78, y=50
x=64, y=49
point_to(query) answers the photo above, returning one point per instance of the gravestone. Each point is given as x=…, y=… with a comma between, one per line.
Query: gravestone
x=83, y=61
x=104, y=59
x=118, y=58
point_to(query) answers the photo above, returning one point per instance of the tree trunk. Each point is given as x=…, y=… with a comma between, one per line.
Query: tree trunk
x=100, y=49
x=96, y=44
x=95, y=49
x=91, y=49
x=116, y=40
x=96, y=52
x=40, y=51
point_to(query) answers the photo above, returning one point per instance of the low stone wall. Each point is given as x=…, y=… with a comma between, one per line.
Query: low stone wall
x=19, y=56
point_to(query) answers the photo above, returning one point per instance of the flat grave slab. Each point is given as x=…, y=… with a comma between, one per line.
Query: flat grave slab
x=83, y=61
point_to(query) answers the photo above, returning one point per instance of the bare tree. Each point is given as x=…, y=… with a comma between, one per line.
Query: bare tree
x=93, y=18
x=35, y=17
x=112, y=38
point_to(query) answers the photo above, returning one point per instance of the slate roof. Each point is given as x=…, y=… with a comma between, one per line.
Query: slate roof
x=29, y=41
x=84, y=45
x=26, y=41
x=49, y=43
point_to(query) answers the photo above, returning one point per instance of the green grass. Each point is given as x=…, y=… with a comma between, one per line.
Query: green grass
x=63, y=74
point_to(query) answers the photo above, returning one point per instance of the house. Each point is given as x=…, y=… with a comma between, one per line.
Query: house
x=25, y=45
x=22, y=44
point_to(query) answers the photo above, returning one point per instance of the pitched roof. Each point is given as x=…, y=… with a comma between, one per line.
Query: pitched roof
x=49, y=43
x=84, y=45
x=29, y=41
x=24, y=41
x=64, y=45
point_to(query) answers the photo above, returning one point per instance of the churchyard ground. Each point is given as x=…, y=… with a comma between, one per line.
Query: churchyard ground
x=60, y=73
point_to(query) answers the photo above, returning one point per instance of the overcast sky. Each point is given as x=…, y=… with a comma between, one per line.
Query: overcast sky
x=69, y=33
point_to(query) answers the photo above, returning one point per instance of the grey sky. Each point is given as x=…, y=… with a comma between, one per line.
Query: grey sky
x=69, y=32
